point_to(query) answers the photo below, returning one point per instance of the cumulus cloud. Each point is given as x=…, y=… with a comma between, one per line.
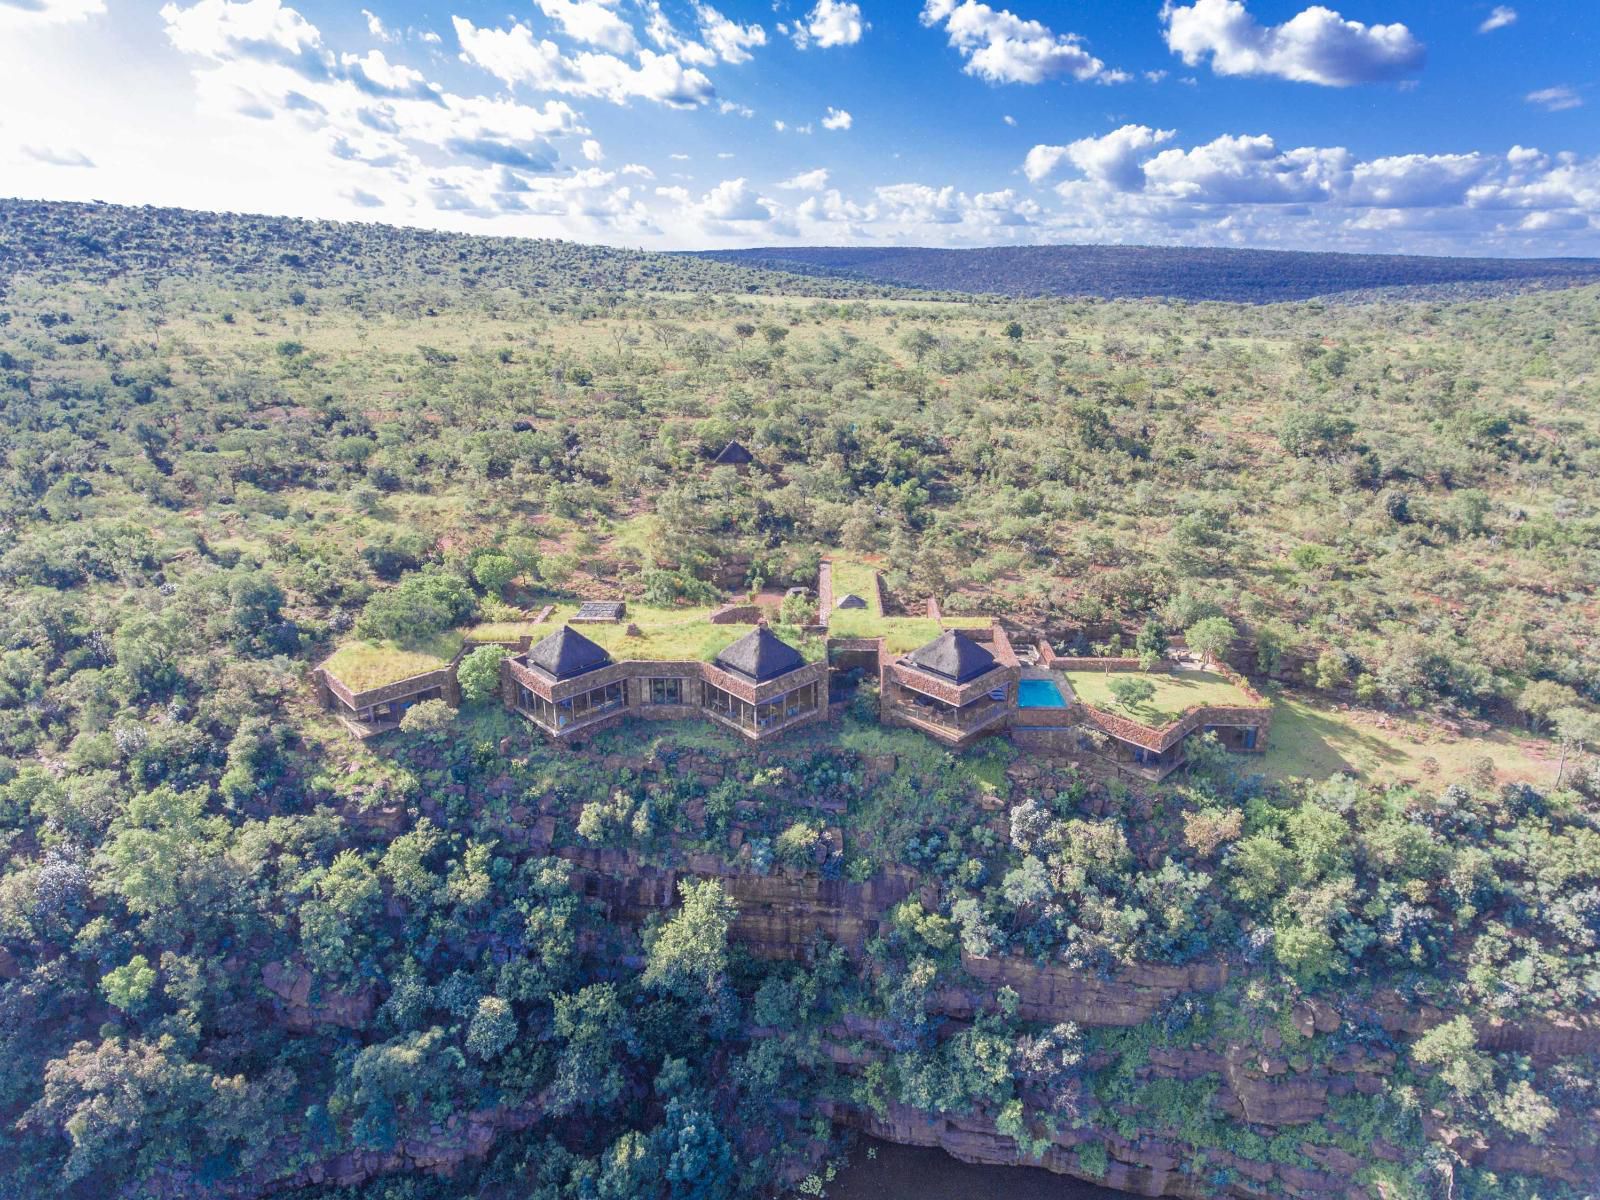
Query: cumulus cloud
x=1001, y=47
x=837, y=119
x=807, y=181
x=734, y=200
x=1502, y=16
x=399, y=139
x=26, y=14
x=377, y=28
x=829, y=23
x=1115, y=158
x=1555, y=99
x=513, y=56
x=592, y=22
x=1315, y=46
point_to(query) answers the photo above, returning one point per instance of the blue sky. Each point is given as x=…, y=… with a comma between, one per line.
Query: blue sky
x=1371, y=125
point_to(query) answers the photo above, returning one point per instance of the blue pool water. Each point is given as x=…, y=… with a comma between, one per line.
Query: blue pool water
x=1039, y=693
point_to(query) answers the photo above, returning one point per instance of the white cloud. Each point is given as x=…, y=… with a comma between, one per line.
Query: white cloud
x=26, y=14
x=829, y=23
x=54, y=156
x=920, y=204
x=377, y=28
x=592, y=22
x=807, y=181
x=1009, y=119
x=725, y=107
x=592, y=151
x=1555, y=99
x=638, y=169
x=513, y=56
x=729, y=40
x=1000, y=47
x=1416, y=180
x=837, y=119
x=1316, y=46
x=734, y=200
x=1502, y=16
x=1116, y=157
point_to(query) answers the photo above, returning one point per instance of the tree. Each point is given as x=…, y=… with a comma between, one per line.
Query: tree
x=479, y=673
x=1577, y=728
x=1540, y=700
x=429, y=717
x=1131, y=692
x=1210, y=638
x=417, y=608
x=1452, y=1047
x=128, y=986
x=493, y=1028
x=1013, y=330
x=494, y=571
x=689, y=955
x=919, y=343
x=1151, y=644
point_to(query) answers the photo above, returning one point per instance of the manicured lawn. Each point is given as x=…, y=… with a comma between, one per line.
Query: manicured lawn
x=364, y=665
x=1312, y=742
x=1176, y=693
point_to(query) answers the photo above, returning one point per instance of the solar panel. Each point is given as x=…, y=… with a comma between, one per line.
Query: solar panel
x=601, y=610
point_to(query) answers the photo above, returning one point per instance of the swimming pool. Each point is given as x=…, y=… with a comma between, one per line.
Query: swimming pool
x=1039, y=693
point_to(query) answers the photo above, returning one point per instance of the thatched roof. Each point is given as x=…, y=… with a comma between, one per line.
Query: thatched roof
x=567, y=653
x=953, y=656
x=733, y=454
x=760, y=655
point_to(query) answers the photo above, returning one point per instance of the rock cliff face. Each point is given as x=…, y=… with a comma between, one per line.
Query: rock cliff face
x=1262, y=1085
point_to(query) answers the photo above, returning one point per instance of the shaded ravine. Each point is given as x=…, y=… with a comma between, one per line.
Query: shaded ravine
x=928, y=1173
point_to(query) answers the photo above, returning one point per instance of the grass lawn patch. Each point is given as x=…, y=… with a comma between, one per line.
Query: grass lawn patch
x=1313, y=742
x=361, y=666
x=1176, y=693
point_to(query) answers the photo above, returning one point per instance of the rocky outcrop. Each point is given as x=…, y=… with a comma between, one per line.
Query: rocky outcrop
x=292, y=984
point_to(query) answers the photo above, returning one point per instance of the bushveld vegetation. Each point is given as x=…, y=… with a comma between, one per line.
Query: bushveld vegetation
x=234, y=944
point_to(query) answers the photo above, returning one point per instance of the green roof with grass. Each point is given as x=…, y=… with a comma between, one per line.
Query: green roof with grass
x=362, y=666
x=672, y=634
x=900, y=635
x=1176, y=693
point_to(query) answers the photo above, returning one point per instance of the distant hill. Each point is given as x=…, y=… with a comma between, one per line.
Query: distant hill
x=57, y=241
x=1249, y=276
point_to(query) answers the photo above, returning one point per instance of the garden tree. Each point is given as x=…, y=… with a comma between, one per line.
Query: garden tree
x=1151, y=644
x=688, y=955
x=798, y=609
x=478, y=673
x=1210, y=638
x=1131, y=692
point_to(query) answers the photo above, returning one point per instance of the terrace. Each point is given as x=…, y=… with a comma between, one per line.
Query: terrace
x=1176, y=693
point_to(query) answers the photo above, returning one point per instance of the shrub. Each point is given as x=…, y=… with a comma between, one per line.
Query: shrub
x=479, y=673
x=431, y=716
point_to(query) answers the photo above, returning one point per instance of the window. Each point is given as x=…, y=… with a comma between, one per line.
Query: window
x=665, y=691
